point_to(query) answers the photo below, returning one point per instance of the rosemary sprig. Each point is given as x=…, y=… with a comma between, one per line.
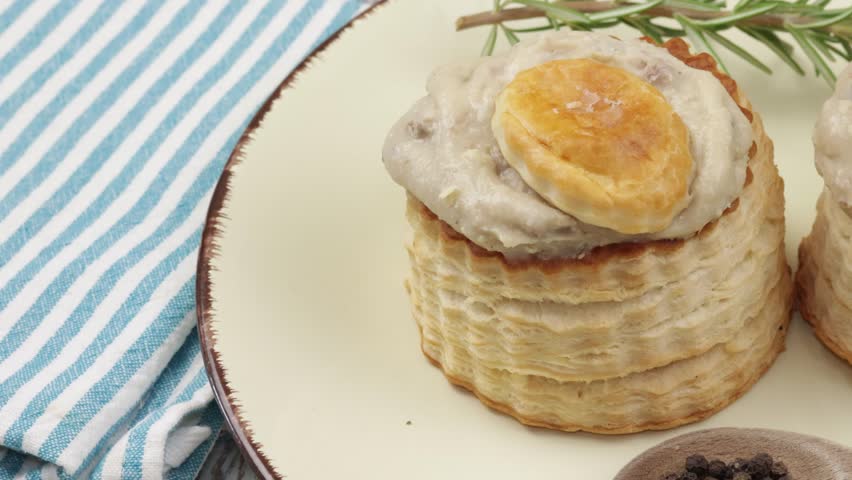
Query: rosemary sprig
x=823, y=34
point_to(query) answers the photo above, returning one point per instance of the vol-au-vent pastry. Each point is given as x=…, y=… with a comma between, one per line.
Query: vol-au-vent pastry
x=598, y=232
x=824, y=279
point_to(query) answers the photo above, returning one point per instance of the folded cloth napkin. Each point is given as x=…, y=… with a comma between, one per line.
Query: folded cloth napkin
x=116, y=118
x=225, y=461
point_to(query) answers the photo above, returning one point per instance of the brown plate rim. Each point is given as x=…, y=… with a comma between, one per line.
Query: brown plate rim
x=209, y=249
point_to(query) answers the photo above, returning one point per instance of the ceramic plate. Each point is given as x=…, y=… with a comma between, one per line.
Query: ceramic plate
x=310, y=345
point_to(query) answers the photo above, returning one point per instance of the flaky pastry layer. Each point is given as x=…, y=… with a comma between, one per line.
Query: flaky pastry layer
x=666, y=397
x=824, y=279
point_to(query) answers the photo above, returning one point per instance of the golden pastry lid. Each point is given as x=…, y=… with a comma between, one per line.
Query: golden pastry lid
x=597, y=142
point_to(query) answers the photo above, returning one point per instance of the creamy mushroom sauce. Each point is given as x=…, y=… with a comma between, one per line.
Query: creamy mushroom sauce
x=444, y=153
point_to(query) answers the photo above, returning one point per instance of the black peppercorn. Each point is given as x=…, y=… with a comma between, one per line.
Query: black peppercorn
x=717, y=469
x=760, y=466
x=778, y=470
x=739, y=465
x=755, y=470
x=697, y=464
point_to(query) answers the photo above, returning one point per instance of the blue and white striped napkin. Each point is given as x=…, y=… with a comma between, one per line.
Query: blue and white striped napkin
x=116, y=118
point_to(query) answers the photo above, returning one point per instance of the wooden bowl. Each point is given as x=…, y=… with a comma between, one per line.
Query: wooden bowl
x=806, y=457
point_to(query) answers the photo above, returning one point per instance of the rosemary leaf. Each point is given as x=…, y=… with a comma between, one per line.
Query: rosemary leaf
x=822, y=47
x=541, y=28
x=605, y=23
x=817, y=13
x=787, y=45
x=553, y=23
x=825, y=37
x=490, y=41
x=843, y=15
x=823, y=33
x=736, y=17
x=808, y=10
x=510, y=35
x=693, y=5
x=778, y=46
x=668, y=32
x=623, y=11
x=742, y=4
x=841, y=53
x=846, y=48
x=568, y=15
x=580, y=26
x=647, y=28
x=733, y=47
x=795, y=8
x=819, y=63
x=696, y=35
